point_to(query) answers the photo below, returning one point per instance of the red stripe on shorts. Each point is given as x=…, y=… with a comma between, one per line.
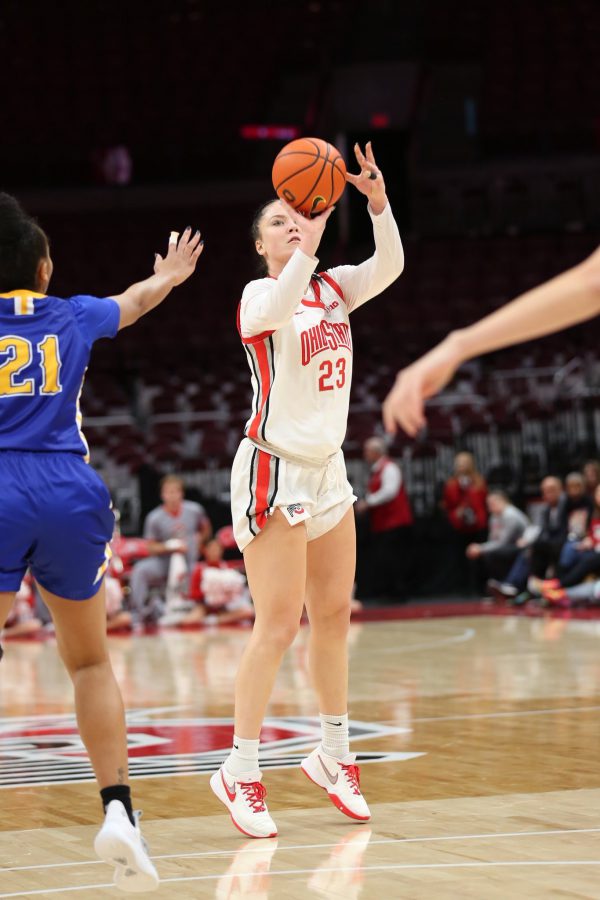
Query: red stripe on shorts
x=263, y=478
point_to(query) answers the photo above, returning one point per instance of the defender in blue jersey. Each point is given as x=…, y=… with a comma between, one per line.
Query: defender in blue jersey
x=55, y=514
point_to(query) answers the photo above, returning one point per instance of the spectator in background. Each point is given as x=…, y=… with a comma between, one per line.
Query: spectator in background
x=541, y=544
x=464, y=502
x=580, y=507
x=507, y=525
x=219, y=592
x=584, y=558
x=117, y=618
x=22, y=619
x=178, y=526
x=390, y=525
x=591, y=475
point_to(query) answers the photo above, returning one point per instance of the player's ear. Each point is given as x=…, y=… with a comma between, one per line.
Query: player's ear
x=43, y=274
x=259, y=248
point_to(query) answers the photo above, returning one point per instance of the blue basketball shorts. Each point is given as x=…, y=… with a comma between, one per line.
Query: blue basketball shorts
x=55, y=519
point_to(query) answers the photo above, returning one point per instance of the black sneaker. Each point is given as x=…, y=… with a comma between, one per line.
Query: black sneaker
x=521, y=599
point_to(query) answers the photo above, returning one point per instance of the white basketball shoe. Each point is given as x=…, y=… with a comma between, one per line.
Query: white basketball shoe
x=341, y=779
x=121, y=844
x=244, y=797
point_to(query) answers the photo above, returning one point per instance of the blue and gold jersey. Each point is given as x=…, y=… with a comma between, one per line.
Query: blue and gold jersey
x=45, y=345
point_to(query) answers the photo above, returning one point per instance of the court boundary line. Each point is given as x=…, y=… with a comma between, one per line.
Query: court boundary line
x=433, y=644
x=372, y=843
x=377, y=868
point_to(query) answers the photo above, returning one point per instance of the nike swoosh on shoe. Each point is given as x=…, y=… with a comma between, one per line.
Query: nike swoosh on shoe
x=328, y=773
x=228, y=791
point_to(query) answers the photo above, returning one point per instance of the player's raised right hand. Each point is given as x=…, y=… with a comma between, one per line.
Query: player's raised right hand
x=181, y=258
x=311, y=229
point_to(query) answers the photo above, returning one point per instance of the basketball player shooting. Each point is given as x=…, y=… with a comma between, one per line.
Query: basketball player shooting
x=291, y=500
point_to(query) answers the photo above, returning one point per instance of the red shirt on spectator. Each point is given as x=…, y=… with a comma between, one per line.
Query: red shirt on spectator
x=387, y=512
x=464, y=502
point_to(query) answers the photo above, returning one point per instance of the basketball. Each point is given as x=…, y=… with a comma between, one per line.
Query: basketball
x=309, y=174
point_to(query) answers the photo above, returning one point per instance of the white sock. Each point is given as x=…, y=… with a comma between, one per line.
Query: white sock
x=334, y=735
x=243, y=757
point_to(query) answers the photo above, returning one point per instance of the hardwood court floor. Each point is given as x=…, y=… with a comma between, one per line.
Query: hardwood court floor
x=479, y=739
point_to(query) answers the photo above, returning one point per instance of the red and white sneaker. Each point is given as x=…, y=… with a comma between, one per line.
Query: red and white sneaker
x=244, y=797
x=341, y=779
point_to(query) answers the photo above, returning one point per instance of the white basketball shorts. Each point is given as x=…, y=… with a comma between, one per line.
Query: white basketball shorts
x=261, y=483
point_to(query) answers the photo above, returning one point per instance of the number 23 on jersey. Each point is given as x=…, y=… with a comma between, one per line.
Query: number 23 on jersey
x=332, y=374
x=16, y=354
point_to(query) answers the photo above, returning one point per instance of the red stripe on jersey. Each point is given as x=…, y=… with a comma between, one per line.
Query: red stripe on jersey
x=263, y=478
x=256, y=338
x=318, y=303
x=265, y=386
x=317, y=292
x=333, y=284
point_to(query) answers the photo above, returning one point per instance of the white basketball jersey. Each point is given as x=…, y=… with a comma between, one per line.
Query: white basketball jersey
x=301, y=376
x=301, y=363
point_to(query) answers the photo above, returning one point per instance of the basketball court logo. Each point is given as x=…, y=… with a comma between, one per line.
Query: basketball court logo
x=45, y=750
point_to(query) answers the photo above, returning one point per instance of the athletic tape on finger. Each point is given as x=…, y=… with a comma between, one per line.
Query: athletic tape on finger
x=174, y=237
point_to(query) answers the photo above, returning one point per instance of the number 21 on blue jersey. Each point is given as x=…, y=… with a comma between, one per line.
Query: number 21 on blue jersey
x=19, y=355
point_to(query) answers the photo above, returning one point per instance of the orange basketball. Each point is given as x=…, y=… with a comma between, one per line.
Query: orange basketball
x=310, y=174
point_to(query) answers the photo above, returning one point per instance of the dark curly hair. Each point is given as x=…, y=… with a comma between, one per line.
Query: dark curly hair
x=22, y=245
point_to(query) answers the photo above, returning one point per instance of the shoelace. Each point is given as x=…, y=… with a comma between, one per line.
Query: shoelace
x=255, y=794
x=352, y=773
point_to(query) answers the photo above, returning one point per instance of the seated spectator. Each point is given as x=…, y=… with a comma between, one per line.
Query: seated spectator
x=580, y=507
x=117, y=617
x=541, y=544
x=585, y=562
x=464, y=502
x=507, y=525
x=179, y=527
x=219, y=592
x=383, y=570
x=22, y=619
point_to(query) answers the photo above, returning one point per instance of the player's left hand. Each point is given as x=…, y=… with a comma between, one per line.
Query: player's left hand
x=405, y=403
x=370, y=181
x=181, y=258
